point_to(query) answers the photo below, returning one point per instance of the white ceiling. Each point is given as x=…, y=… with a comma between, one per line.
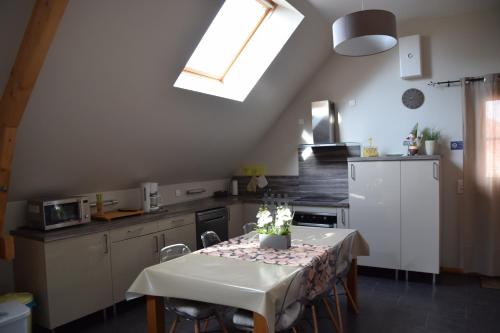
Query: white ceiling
x=104, y=114
x=403, y=9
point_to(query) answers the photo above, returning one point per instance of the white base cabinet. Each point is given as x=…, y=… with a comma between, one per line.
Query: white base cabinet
x=374, y=209
x=236, y=222
x=70, y=278
x=395, y=206
x=420, y=216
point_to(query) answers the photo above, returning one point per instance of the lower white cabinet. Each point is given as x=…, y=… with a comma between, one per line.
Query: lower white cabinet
x=395, y=205
x=70, y=278
x=185, y=234
x=250, y=211
x=236, y=221
x=420, y=216
x=129, y=257
x=374, y=210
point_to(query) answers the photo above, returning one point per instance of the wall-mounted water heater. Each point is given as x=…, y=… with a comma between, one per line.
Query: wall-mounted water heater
x=410, y=58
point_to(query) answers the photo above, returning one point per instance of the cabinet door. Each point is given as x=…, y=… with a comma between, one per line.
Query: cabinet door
x=129, y=257
x=374, y=210
x=343, y=218
x=182, y=235
x=420, y=216
x=250, y=212
x=236, y=221
x=78, y=277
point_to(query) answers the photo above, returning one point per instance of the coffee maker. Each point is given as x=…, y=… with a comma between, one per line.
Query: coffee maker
x=150, y=197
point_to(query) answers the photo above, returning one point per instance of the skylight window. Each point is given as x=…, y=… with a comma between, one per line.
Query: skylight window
x=227, y=36
x=238, y=46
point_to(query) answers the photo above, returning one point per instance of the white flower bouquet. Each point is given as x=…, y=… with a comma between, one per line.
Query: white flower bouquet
x=274, y=224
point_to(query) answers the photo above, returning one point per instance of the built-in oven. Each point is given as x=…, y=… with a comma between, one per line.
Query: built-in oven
x=52, y=214
x=312, y=219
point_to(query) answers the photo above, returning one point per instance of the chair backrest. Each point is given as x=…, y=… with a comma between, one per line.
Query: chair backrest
x=294, y=301
x=209, y=238
x=344, y=257
x=249, y=227
x=173, y=251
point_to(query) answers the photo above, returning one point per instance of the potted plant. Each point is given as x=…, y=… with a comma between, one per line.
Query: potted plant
x=413, y=141
x=274, y=227
x=431, y=138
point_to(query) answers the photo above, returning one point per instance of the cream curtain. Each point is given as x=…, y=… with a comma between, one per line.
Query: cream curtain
x=480, y=232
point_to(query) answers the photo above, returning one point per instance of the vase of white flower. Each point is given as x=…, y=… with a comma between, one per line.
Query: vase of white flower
x=280, y=242
x=274, y=227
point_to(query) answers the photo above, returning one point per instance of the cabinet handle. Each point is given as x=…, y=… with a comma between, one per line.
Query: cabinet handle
x=156, y=244
x=353, y=172
x=435, y=171
x=106, y=248
x=164, y=239
x=343, y=217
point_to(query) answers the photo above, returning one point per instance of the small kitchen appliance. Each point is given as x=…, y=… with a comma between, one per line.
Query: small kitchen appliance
x=49, y=214
x=150, y=197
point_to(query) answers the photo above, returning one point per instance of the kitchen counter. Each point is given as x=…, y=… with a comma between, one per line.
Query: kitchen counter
x=395, y=158
x=168, y=211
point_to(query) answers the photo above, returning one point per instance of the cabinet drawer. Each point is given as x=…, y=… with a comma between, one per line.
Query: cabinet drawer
x=133, y=231
x=175, y=222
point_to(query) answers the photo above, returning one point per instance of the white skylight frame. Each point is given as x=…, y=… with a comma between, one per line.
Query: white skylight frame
x=260, y=48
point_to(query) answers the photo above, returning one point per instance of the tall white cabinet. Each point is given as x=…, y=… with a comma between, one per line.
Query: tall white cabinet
x=395, y=206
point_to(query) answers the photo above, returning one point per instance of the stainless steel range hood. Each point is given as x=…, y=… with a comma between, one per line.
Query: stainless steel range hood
x=325, y=126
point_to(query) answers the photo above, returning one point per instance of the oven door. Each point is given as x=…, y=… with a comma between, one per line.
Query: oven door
x=62, y=213
x=309, y=219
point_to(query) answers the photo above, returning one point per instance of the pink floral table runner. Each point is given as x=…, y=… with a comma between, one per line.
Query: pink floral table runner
x=318, y=260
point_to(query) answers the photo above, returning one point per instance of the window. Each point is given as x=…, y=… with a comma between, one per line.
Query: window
x=227, y=36
x=492, y=131
x=239, y=45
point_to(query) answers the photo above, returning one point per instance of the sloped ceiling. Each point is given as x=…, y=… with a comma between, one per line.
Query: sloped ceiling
x=104, y=114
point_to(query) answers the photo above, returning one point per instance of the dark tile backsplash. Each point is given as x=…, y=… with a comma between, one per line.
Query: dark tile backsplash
x=323, y=172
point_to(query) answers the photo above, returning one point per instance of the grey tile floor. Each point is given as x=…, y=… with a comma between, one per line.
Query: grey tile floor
x=456, y=304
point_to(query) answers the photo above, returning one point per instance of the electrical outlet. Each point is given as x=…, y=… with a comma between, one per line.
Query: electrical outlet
x=301, y=121
x=178, y=193
x=352, y=103
x=460, y=186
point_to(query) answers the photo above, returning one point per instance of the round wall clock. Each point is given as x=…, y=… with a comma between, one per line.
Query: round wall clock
x=413, y=98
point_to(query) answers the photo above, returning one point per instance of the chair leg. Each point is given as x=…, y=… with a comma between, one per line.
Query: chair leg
x=205, y=325
x=174, y=324
x=337, y=305
x=349, y=297
x=196, y=326
x=294, y=330
x=315, y=319
x=221, y=322
x=330, y=313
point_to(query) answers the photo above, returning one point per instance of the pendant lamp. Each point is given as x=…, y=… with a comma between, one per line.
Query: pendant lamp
x=364, y=33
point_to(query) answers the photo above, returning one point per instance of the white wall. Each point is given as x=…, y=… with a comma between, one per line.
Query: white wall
x=454, y=47
x=131, y=198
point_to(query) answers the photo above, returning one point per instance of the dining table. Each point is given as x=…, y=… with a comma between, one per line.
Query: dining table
x=239, y=274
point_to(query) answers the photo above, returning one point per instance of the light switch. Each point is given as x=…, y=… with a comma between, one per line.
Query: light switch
x=301, y=121
x=352, y=103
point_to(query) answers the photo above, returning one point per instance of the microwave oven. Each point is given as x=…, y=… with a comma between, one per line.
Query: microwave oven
x=54, y=214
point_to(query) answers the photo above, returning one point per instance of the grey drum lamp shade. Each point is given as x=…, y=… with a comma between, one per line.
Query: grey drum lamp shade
x=364, y=33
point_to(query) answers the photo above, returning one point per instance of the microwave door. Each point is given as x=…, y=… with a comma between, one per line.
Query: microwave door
x=57, y=215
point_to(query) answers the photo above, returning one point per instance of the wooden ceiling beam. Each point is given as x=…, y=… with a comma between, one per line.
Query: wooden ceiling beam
x=38, y=36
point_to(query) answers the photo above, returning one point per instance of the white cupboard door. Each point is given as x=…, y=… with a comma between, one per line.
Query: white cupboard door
x=420, y=216
x=78, y=277
x=182, y=235
x=374, y=210
x=235, y=220
x=343, y=218
x=129, y=257
x=250, y=211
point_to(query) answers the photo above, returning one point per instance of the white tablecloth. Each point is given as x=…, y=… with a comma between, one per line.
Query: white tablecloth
x=253, y=286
